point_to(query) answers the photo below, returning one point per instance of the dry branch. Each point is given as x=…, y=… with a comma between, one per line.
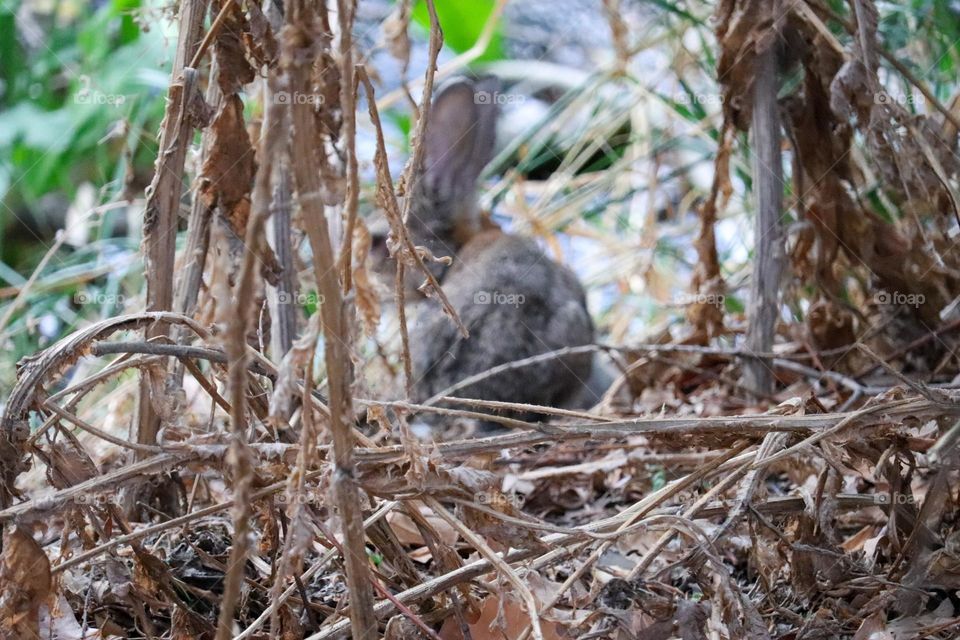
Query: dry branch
x=161, y=211
x=301, y=39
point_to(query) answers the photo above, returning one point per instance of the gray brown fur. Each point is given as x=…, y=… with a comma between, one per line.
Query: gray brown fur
x=514, y=300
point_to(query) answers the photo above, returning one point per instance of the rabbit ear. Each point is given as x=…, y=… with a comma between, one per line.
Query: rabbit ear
x=461, y=132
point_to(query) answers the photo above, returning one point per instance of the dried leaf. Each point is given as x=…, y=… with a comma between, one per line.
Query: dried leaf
x=234, y=71
x=25, y=576
x=743, y=30
x=368, y=302
x=227, y=175
x=500, y=617
x=259, y=41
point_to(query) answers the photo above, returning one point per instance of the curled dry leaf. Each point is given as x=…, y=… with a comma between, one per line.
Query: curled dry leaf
x=289, y=372
x=198, y=110
x=425, y=475
x=227, y=174
x=378, y=415
x=184, y=626
x=68, y=464
x=235, y=70
x=743, y=29
x=409, y=534
x=258, y=39
x=501, y=534
x=707, y=281
x=836, y=97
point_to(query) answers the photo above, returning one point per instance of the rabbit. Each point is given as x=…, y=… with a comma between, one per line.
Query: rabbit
x=514, y=300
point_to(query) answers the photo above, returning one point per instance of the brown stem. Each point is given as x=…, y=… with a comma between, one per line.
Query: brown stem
x=300, y=37
x=235, y=346
x=163, y=203
x=768, y=237
x=346, y=11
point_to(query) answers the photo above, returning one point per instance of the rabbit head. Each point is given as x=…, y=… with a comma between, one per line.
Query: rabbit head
x=458, y=144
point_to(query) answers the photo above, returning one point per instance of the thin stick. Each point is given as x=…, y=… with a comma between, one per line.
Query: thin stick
x=412, y=170
x=103, y=435
x=768, y=184
x=163, y=204
x=236, y=349
x=346, y=11
x=211, y=34
x=457, y=63
x=389, y=203
x=58, y=241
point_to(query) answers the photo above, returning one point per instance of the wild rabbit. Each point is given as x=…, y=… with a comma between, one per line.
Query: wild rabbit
x=514, y=300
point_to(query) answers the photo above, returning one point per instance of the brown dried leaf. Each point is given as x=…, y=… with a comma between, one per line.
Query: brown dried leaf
x=184, y=627
x=830, y=326
x=261, y=45
x=227, y=175
x=850, y=93
x=686, y=623
x=327, y=83
x=198, y=110
x=368, y=302
x=25, y=576
x=68, y=464
x=290, y=628
x=500, y=617
x=234, y=69
x=378, y=415
x=743, y=29
x=500, y=533
x=409, y=533
x=873, y=627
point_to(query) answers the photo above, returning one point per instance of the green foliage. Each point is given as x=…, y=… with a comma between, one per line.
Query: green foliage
x=462, y=22
x=65, y=91
x=734, y=305
x=923, y=35
x=81, y=98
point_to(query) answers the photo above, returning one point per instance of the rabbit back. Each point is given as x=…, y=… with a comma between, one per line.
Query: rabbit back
x=516, y=303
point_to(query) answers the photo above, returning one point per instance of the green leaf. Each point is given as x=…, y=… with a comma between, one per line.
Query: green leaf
x=733, y=305
x=462, y=22
x=34, y=127
x=658, y=477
